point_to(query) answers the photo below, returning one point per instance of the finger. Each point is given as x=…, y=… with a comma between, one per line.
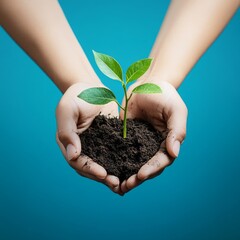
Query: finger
x=124, y=188
x=109, y=181
x=62, y=148
x=112, y=182
x=86, y=165
x=83, y=174
x=155, y=165
x=90, y=176
x=176, y=125
x=133, y=182
x=67, y=117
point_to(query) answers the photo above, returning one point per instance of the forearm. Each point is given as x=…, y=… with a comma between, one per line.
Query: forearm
x=189, y=28
x=41, y=29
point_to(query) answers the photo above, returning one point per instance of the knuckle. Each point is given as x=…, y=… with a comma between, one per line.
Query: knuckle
x=62, y=135
x=178, y=134
x=85, y=162
x=87, y=165
x=181, y=134
x=61, y=105
x=155, y=163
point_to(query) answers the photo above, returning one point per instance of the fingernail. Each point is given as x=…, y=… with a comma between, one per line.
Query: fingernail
x=71, y=152
x=176, y=148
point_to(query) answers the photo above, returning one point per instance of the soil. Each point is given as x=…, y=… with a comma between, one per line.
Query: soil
x=103, y=142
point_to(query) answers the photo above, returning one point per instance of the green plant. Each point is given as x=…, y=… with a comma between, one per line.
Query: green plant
x=111, y=68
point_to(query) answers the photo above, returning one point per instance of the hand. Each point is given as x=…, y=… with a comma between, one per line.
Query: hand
x=73, y=117
x=167, y=113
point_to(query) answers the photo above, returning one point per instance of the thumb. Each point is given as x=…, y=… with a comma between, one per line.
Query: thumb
x=176, y=125
x=67, y=137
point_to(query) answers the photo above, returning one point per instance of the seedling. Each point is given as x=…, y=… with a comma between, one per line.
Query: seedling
x=111, y=68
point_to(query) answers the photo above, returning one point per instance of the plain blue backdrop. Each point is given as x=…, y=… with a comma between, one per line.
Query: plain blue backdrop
x=198, y=197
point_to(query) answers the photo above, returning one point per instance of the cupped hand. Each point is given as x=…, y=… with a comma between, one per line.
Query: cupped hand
x=73, y=117
x=167, y=113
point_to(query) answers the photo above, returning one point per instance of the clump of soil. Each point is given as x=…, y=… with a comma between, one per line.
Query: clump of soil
x=103, y=142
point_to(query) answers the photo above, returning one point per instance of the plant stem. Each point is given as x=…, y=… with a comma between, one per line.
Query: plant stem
x=120, y=105
x=125, y=112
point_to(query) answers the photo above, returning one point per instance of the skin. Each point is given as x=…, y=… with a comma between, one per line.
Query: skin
x=167, y=113
x=41, y=29
x=73, y=117
x=56, y=50
x=184, y=37
x=189, y=28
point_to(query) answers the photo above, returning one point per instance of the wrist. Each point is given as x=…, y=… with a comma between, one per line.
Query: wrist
x=84, y=79
x=157, y=77
x=76, y=88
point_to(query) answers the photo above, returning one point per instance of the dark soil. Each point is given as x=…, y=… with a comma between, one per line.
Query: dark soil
x=103, y=142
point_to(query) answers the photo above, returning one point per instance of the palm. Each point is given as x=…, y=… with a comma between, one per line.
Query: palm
x=153, y=108
x=74, y=116
x=84, y=112
x=162, y=111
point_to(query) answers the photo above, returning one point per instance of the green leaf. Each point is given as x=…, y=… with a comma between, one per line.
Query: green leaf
x=147, y=88
x=97, y=95
x=109, y=66
x=137, y=69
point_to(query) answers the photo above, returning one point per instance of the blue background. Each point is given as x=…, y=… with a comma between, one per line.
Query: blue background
x=198, y=197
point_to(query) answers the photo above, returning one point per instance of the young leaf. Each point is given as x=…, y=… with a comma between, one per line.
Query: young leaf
x=97, y=95
x=137, y=69
x=147, y=88
x=109, y=66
